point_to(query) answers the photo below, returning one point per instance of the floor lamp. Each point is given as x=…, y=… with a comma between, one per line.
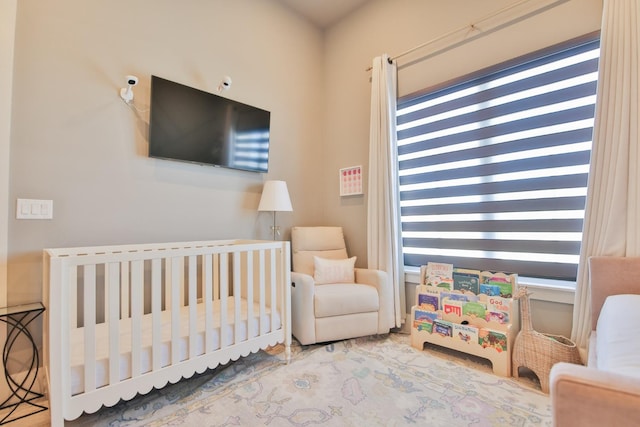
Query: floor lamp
x=275, y=198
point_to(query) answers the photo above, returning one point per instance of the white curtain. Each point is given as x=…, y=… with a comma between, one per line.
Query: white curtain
x=383, y=211
x=612, y=214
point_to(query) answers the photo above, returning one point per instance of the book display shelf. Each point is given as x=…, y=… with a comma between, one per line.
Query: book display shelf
x=471, y=311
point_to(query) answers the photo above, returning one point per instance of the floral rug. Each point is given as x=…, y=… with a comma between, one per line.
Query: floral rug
x=373, y=381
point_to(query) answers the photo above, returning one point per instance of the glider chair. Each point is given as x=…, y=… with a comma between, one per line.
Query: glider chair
x=330, y=299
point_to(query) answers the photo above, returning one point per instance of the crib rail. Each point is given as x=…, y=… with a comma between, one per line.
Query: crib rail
x=201, y=287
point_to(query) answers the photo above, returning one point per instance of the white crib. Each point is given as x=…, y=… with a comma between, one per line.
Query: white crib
x=120, y=320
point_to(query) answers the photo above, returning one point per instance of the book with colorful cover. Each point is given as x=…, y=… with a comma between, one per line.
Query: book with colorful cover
x=490, y=290
x=452, y=307
x=466, y=280
x=505, y=282
x=442, y=327
x=429, y=301
x=488, y=338
x=497, y=316
x=497, y=304
x=466, y=333
x=457, y=296
x=439, y=274
x=474, y=309
x=423, y=320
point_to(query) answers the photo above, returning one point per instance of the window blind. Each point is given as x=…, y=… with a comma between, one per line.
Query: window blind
x=493, y=169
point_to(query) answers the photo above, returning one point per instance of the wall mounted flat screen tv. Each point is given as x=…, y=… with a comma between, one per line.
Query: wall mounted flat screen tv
x=191, y=125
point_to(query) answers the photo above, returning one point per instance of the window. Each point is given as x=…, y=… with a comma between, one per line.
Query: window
x=493, y=168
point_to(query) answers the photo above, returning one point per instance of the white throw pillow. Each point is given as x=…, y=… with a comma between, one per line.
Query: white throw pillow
x=617, y=344
x=334, y=270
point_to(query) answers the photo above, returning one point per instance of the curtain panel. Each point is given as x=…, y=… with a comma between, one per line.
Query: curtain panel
x=384, y=247
x=612, y=212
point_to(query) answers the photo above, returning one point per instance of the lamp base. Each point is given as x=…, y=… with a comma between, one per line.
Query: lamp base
x=276, y=231
x=274, y=228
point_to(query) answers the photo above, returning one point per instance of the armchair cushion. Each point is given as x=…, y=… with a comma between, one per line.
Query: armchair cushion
x=617, y=345
x=333, y=270
x=345, y=298
x=307, y=242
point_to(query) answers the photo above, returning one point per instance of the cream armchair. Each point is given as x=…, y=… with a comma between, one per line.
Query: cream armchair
x=330, y=299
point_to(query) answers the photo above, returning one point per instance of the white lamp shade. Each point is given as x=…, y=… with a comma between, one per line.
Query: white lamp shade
x=275, y=197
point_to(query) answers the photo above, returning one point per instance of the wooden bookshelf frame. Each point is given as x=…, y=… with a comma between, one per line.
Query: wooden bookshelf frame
x=500, y=360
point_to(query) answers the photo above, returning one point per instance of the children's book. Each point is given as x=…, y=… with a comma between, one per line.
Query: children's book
x=439, y=274
x=497, y=316
x=489, y=338
x=490, y=290
x=442, y=327
x=503, y=281
x=429, y=301
x=452, y=307
x=474, y=309
x=466, y=333
x=466, y=280
x=456, y=296
x=498, y=304
x=423, y=320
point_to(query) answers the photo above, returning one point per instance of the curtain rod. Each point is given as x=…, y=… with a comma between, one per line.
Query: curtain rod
x=474, y=26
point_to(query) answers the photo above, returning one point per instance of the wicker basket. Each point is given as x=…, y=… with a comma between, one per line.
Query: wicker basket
x=538, y=351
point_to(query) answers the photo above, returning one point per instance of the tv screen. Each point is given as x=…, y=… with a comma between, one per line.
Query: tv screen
x=191, y=125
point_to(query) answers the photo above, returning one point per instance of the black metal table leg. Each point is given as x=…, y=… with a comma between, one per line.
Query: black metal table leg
x=17, y=319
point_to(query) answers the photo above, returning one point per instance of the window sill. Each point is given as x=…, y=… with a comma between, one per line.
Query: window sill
x=559, y=291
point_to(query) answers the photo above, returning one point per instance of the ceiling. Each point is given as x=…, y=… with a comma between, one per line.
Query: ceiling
x=323, y=13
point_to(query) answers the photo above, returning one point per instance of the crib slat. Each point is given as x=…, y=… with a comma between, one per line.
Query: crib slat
x=262, y=292
x=237, y=295
x=89, y=287
x=124, y=290
x=176, y=270
x=193, y=307
x=73, y=297
x=137, y=310
x=224, y=292
x=208, y=303
x=250, y=295
x=112, y=282
x=272, y=285
x=216, y=277
x=156, y=311
x=168, y=274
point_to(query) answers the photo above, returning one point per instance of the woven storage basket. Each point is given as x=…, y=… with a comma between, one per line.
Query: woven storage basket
x=538, y=351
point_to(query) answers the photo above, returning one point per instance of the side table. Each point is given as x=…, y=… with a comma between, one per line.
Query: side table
x=17, y=319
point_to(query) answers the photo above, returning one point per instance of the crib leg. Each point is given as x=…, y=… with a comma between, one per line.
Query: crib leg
x=287, y=353
x=56, y=418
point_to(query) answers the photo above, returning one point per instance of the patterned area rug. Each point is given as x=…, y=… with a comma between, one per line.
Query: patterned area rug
x=374, y=381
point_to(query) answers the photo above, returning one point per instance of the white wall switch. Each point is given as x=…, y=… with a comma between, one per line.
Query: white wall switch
x=34, y=209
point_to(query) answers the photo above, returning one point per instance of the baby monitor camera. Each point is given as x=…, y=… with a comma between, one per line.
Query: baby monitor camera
x=132, y=80
x=126, y=93
x=224, y=84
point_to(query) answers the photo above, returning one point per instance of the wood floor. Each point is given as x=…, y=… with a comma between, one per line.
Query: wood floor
x=40, y=419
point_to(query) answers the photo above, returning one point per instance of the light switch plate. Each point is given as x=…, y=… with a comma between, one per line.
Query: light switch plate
x=34, y=209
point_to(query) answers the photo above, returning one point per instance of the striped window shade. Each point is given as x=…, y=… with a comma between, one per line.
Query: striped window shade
x=493, y=168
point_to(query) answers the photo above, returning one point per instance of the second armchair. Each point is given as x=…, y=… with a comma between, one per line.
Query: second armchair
x=330, y=299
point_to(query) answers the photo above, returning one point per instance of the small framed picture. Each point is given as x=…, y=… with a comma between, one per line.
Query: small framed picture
x=351, y=181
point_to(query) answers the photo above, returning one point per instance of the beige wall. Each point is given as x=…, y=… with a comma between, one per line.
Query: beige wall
x=75, y=141
x=7, y=40
x=393, y=27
